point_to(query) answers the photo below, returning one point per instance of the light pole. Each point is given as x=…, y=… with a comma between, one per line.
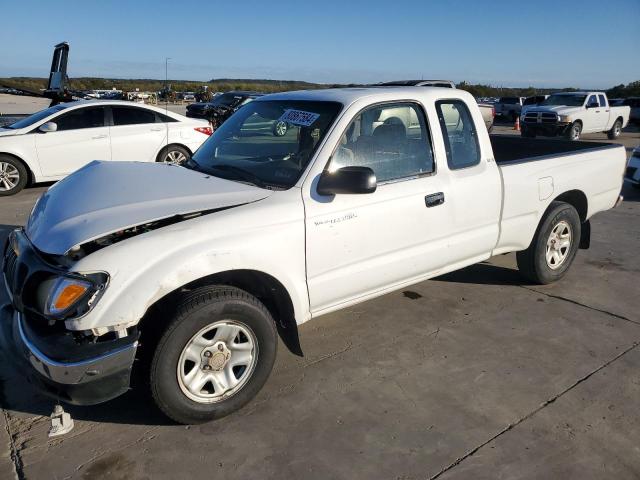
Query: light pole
x=166, y=81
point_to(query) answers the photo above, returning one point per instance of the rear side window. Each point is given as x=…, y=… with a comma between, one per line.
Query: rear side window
x=603, y=101
x=81, y=118
x=132, y=116
x=165, y=118
x=460, y=134
x=392, y=139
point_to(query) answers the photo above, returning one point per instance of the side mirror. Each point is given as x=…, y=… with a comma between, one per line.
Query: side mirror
x=347, y=180
x=48, y=127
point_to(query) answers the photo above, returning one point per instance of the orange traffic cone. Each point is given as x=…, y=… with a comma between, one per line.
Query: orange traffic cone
x=516, y=126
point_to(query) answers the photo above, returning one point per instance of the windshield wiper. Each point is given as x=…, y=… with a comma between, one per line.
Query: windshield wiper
x=242, y=174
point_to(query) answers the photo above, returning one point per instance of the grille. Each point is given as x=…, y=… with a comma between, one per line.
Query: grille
x=540, y=117
x=631, y=171
x=10, y=263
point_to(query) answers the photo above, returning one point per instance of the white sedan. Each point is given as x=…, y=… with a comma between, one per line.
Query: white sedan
x=57, y=141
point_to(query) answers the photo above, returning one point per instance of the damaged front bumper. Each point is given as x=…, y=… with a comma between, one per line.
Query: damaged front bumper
x=88, y=374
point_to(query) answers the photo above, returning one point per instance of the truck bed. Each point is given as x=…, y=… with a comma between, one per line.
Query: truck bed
x=509, y=149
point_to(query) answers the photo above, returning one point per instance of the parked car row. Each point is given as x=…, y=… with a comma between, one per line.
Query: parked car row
x=54, y=142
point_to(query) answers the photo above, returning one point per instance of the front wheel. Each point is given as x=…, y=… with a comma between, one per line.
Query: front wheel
x=554, y=245
x=615, y=131
x=215, y=355
x=574, y=132
x=13, y=175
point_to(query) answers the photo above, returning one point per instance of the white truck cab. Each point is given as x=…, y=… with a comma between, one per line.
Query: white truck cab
x=196, y=270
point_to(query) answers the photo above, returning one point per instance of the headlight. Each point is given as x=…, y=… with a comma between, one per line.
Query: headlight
x=565, y=118
x=72, y=296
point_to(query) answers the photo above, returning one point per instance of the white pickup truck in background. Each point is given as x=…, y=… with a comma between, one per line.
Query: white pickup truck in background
x=574, y=113
x=368, y=191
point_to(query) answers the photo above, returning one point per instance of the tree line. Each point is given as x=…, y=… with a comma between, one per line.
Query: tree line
x=271, y=86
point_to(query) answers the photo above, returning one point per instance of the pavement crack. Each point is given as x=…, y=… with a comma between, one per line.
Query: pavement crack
x=15, y=451
x=329, y=355
x=575, y=302
x=543, y=405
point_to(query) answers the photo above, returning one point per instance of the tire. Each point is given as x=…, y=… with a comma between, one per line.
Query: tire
x=616, y=130
x=212, y=312
x=13, y=175
x=280, y=128
x=533, y=262
x=173, y=154
x=574, y=132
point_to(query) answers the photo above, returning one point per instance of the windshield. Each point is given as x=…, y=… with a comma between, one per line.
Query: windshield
x=36, y=117
x=227, y=100
x=266, y=143
x=565, y=100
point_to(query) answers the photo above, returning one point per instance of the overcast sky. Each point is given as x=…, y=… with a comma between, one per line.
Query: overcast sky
x=540, y=43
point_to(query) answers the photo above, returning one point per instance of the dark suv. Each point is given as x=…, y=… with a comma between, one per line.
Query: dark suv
x=221, y=107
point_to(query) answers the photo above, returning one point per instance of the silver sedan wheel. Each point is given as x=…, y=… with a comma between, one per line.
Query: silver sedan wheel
x=558, y=245
x=175, y=157
x=280, y=128
x=217, y=362
x=9, y=176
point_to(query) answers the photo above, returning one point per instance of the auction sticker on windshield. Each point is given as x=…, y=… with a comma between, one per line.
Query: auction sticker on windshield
x=299, y=117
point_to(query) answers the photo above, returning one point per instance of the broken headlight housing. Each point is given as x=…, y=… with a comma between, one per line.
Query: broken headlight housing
x=70, y=296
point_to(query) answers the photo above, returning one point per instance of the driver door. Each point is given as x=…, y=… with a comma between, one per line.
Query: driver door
x=358, y=244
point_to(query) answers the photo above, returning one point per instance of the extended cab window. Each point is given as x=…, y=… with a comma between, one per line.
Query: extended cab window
x=459, y=133
x=392, y=140
x=132, y=116
x=603, y=101
x=81, y=118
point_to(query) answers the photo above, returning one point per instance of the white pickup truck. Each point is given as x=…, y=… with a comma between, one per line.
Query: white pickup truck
x=195, y=270
x=574, y=113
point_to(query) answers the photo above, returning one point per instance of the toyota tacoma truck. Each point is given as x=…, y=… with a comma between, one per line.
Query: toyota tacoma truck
x=574, y=113
x=180, y=279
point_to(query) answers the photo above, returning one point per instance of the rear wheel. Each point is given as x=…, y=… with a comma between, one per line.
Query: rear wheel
x=574, y=132
x=554, y=245
x=13, y=175
x=616, y=130
x=214, y=357
x=174, y=154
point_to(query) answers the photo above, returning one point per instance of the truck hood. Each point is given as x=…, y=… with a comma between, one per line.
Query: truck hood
x=7, y=132
x=106, y=197
x=559, y=109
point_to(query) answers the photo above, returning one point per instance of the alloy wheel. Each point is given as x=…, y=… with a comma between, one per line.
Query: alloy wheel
x=217, y=361
x=9, y=176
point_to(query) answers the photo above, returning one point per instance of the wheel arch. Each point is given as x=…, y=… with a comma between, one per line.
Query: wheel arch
x=578, y=200
x=172, y=144
x=269, y=290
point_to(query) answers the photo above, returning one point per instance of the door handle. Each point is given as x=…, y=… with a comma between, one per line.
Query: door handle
x=98, y=137
x=157, y=129
x=434, y=199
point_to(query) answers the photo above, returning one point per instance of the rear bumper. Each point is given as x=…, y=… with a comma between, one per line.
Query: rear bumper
x=83, y=381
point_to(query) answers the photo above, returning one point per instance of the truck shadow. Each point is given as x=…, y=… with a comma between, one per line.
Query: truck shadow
x=483, y=274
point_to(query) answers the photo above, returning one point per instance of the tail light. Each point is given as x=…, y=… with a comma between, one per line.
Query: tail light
x=205, y=130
